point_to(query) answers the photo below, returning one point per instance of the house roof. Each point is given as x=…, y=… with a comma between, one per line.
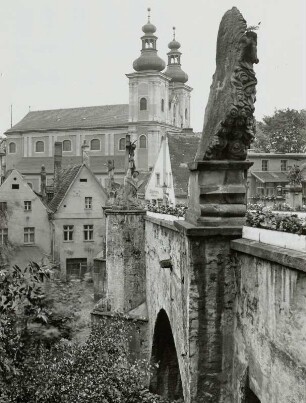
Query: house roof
x=98, y=164
x=73, y=118
x=267, y=176
x=182, y=149
x=67, y=176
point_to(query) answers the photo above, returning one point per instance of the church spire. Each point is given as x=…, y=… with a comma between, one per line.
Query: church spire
x=149, y=60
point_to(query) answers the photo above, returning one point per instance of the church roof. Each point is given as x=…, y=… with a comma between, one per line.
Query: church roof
x=73, y=118
x=182, y=149
x=98, y=164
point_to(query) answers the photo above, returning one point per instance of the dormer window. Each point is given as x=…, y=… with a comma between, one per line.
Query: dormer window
x=12, y=148
x=40, y=147
x=143, y=104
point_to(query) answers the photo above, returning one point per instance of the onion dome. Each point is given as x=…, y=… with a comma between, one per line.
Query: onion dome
x=149, y=60
x=174, y=70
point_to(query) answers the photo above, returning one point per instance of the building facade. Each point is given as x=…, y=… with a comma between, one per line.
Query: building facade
x=159, y=101
x=24, y=217
x=78, y=222
x=268, y=175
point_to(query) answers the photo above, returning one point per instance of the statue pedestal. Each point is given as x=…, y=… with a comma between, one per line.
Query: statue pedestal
x=294, y=196
x=217, y=193
x=215, y=216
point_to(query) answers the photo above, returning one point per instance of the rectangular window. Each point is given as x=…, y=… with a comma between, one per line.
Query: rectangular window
x=29, y=235
x=83, y=180
x=264, y=165
x=15, y=186
x=68, y=232
x=88, y=232
x=88, y=203
x=28, y=206
x=3, y=236
x=157, y=179
x=284, y=164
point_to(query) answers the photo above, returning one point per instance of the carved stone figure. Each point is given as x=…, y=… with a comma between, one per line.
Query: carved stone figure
x=229, y=124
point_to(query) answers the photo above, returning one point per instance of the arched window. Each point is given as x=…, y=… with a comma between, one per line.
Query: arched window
x=162, y=105
x=95, y=144
x=40, y=146
x=12, y=148
x=143, y=104
x=66, y=145
x=143, y=141
x=122, y=144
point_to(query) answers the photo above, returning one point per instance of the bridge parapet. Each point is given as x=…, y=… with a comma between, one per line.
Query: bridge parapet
x=270, y=322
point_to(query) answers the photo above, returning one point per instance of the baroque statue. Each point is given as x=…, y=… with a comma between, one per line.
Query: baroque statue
x=229, y=124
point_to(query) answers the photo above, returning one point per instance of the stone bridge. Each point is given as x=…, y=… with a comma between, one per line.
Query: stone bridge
x=221, y=316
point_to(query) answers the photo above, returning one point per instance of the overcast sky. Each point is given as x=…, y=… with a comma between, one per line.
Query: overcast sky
x=70, y=53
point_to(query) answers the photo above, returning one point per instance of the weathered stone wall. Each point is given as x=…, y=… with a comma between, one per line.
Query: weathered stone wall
x=167, y=287
x=270, y=327
x=125, y=262
x=197, y=294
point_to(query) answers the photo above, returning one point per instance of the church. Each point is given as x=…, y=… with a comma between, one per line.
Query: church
x=159, y=103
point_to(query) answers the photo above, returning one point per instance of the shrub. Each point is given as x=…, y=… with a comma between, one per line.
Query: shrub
x=263, y=217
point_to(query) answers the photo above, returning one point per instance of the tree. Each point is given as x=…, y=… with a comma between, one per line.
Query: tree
x=283, y=132
x=43, y=370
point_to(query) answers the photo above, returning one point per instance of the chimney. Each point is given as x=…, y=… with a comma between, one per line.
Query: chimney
x=85, y=155
x=58, y=155
x=43, y=183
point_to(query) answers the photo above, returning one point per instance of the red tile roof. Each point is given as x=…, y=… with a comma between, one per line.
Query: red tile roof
x=73, y=118
x=182, y=149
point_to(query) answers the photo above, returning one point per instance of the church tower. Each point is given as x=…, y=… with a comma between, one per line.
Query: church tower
x=159, y=102
x=148, y=99
x=179, y=92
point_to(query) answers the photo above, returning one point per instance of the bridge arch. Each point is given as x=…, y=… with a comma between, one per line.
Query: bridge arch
x=166, y=378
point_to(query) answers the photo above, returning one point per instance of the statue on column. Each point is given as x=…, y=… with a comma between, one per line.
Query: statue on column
x=131, y=177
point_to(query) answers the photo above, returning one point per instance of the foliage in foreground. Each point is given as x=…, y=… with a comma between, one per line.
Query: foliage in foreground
x=264, y=217
x=98, y=371
x=39, y=366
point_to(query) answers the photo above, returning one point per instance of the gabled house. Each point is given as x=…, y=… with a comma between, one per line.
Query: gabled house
x=170, y=175
x=24, y=219
x=78, y=223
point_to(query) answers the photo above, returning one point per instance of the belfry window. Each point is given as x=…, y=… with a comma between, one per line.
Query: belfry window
x=143, y=104
x=186, y=114
x=162, y=105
